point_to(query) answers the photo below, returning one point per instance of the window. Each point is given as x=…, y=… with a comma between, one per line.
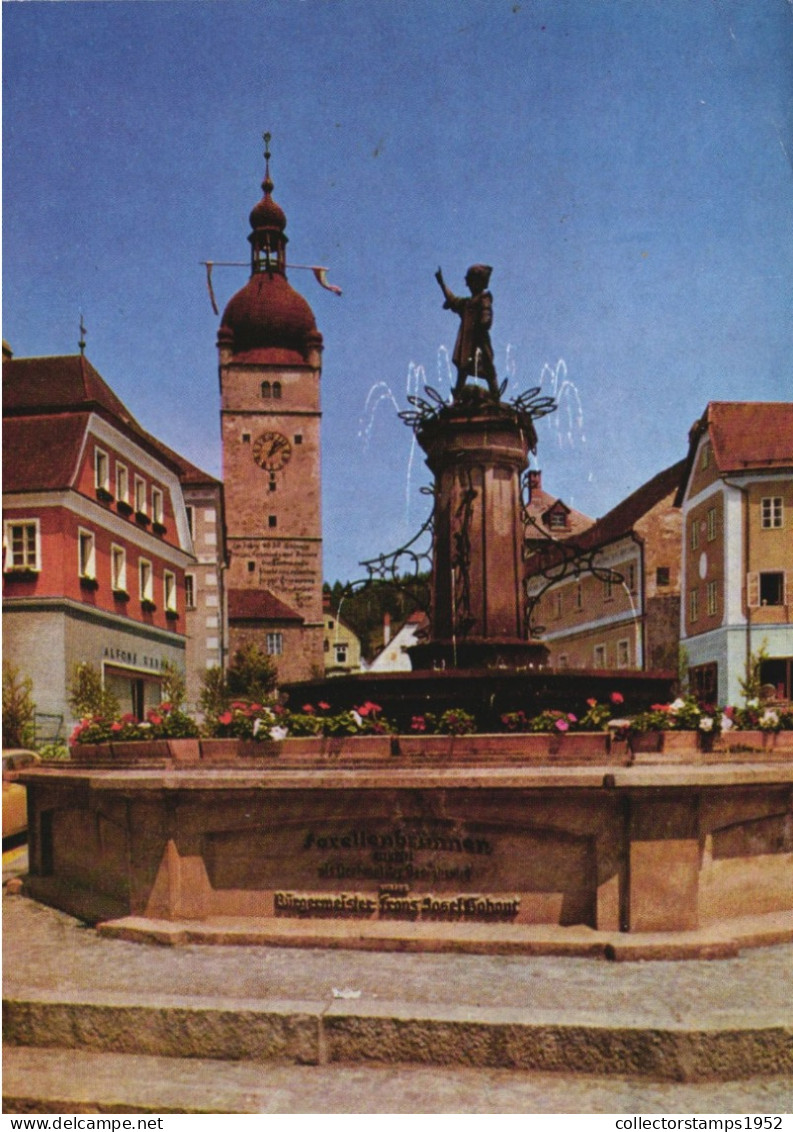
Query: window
x=275, y=644
x=600, y=656
x=272, y=521
x=557, y=520
x=156, y=505
x=273, y=485
x=276, y=390
x=771, y=513
x=579, y=596
x=298, y=438
x=695, y=534
x=145, y=581
x=705, y=461
x=562, y=661
x=246, y=438
x=169, y=591
x=630, y=578
x=101, y=470
x=189, y=591
x=557, y=604
x=608, y=588
x=86, y=555
x=22, y=545
x=772, y=588
x=712, y=529
x=118, y=569
x=140, y=496
x=693, y=605
x=662, y=575
x=341, y=654
x=122, y=483
x=190, y=520
x=251, y=566
x=267, y=390
x=713, y=598
x=703, y=682
x=623, y=654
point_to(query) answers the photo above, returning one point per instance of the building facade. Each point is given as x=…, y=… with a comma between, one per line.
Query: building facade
x=341, y=644
x=270, y=366
x=96, y=542
x=737, y=549
x=608, y=597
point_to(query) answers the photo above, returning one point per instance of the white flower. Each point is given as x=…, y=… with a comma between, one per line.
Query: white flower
x=618, y=724
x=753, y=703
x=278, y=733
x=356, y=718
x=726, y=723
x=769, y=719
x=676, y=705
x=257, y=725
x=706, y=723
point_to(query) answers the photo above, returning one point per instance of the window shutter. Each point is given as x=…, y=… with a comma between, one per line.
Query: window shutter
x=752, y=590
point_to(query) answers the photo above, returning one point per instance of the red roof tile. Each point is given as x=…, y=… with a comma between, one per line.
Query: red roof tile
x=751, y=434
x=41, y=453
x=259, y=605
x=52, y=384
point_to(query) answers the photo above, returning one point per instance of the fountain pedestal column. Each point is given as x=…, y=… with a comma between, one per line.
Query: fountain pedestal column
x=477, y=450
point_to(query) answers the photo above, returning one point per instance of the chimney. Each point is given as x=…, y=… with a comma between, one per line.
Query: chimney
x=386, y=629
x=535, y=479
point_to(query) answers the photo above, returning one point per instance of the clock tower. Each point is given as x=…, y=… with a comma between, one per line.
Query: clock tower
x=270, y=365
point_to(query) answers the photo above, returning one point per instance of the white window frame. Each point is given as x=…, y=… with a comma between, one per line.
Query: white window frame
x=156, y=505
x=169, y=591
x=122, y=483
x=712, y=520
x=86, y=554
x=118, y=568
x=772, y=513
x=694, y=539
x=275, y=644
x=623, y=653
x=141, y=496
x=600, y=656
x=190, y=510
x=712, y=591
x=693, y=605
x=30, y=556
x=189, y=591
x=145, y=580
x=101, y=469
x=608, y=589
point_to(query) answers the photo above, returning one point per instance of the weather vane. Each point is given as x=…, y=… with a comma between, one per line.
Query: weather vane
x=81, y=343
x=320, y=273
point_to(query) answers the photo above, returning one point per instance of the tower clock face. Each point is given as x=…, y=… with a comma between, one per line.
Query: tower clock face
x=272, y=451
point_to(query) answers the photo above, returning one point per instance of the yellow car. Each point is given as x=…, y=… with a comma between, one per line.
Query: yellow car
x=15, y=796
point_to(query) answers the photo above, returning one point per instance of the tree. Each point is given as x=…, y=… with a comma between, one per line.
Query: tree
x=87, y=695
x=174, y=686
x=252, y=674
x=18, y=708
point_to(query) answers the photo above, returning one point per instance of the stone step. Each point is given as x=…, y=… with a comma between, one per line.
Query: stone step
x=68, y=1081
x=349, y=1031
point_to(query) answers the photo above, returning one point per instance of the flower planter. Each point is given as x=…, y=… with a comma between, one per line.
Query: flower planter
x=91, y=754
x=184, y=750
x=514, y=748
x=749, y=746
x=141, y=752
x=665, y=746
x=222, y=752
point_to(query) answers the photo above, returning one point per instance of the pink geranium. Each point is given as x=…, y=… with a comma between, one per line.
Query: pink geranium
x=617, y=698
x=225, y=717
x=562, y=725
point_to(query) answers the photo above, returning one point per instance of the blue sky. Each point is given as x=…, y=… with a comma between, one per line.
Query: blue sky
x=624, y=165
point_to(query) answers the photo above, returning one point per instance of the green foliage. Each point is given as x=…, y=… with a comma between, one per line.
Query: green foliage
x=18, y=708
x=53, y=752
x=455, y=721
x=214, y=697
x=87, y=695
x=252, y=674
x=174, y=684
x=365, y=609
x=751, y=684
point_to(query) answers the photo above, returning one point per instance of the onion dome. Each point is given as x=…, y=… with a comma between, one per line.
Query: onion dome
x=268, y=321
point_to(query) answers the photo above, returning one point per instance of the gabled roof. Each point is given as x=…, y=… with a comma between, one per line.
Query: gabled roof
x=745, y=436
x=189, y=474
x=57, y=384
x=542, y=504
x=68, y=384
x=259, y=605
x=621, y=520
x=41, y=453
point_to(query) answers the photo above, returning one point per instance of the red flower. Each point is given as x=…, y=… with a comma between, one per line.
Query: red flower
x=364, y=709
x=323, y=705
x=166, y=706
x=659, y=707
x=225, y=717
x=617, y=698
x=238, y=705
x=592, y=703
x=154, y=718
x=129, y=718
x=308, y=709
x=572, y=718
x=116, y=726
x=418, y=723
x=562, y=725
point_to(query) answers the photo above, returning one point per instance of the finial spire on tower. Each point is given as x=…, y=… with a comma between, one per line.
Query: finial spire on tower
x=81, y=343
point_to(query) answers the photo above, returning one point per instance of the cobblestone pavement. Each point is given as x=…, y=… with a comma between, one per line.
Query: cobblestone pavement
x=48, y=949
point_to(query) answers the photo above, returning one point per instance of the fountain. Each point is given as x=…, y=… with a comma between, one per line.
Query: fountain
x=487, y=842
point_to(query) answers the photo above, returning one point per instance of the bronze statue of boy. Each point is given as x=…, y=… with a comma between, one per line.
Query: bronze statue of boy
x=473, y=352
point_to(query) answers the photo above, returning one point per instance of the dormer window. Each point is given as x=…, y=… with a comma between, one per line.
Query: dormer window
x=557, y=521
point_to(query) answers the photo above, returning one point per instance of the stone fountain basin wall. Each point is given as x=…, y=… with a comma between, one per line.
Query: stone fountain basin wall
x=665, y=846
